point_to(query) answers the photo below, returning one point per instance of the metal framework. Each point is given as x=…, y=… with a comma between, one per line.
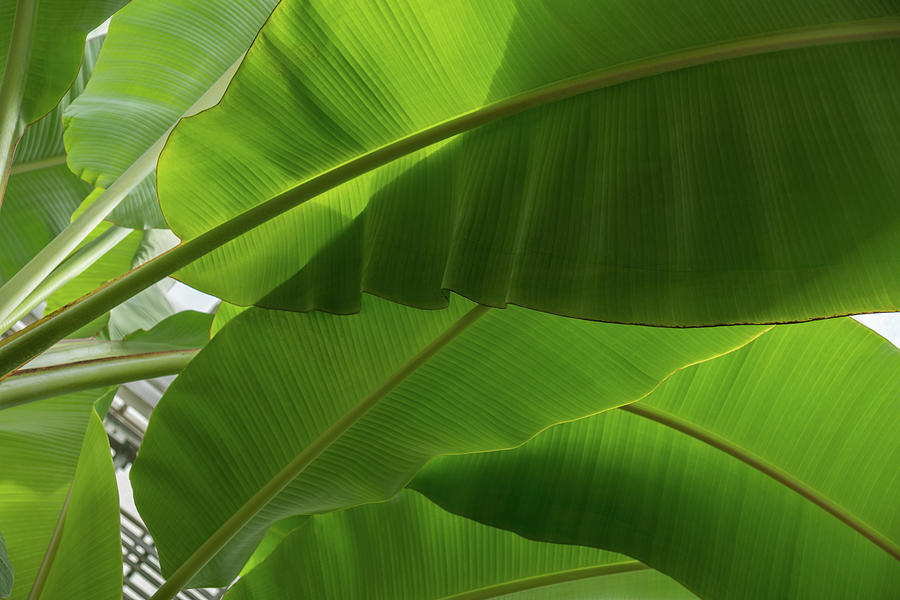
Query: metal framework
x=141, y=563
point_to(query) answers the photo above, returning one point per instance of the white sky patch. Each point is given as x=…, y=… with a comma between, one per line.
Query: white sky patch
x=885, y=324
x=104, y=27
x=184, y=297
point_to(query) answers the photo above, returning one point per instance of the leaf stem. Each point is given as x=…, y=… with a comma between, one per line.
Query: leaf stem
x=783, y=477
x=27, y=279
x=43, y=573
x=44, y=163
x=29, y=385
x=242, y=516
x=12, y=88
x=74, y=266
x=530, y=583
x=34, y=339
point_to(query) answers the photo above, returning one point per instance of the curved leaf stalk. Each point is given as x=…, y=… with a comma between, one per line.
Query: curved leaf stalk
x=35, y=165
x=29, y=277
x=530, y=583
x=29, y=342
x=242, y=516
x=12, y=88
x=28, y=385
x=66, y=272
x=40, y=580
x=719, y=443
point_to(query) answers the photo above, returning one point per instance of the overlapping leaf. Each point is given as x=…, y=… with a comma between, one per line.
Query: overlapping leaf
x=41, y=44
x=57, y=41
x=60, y=513
x=710, y=180
x=41, y=193
x=409, y=548
x=767, y=473
x=160, y=59
x=354, y=405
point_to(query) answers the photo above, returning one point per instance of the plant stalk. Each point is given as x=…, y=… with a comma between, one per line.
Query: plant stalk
x=66, y=272
x=12, y=88
x=40, y=580
x=29, y=385
x=29, y=277
x=29, y=342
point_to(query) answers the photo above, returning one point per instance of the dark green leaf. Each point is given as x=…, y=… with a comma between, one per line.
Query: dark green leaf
x=409, y=548
x=767, y=473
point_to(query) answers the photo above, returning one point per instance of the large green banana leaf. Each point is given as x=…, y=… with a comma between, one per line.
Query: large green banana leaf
x=767, y=473
x=160, y=59
x=60, y=512
x=344, y=409
x=41, y=193
x=41, y=44
x=675, y=163
x=409, y=548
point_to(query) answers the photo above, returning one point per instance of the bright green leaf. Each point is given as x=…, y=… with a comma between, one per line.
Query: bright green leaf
x=143, y=311
x=159, y=60
x=41, y=193
x=409, y=548
x=688, y=163
x=41, y=46
x=276, y=534
x=767, y=473
x=356, y=404
x=104, y=402
x=224, y=313
x=60, y=506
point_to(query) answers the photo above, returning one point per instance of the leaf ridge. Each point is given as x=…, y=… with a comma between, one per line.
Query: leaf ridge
x=528, y=583
x=760, y=464
x=226, y=531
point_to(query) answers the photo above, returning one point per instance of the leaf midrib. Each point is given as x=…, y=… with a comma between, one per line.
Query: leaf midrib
x=35, y=165
x=280, y=480
x=43, y=574
x=783, y=477
x=548, y=579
